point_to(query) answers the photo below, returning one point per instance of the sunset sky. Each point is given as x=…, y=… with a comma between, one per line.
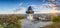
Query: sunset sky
x=38, y=6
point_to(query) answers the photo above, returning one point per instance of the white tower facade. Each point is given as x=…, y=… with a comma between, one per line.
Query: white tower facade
x=30, y=13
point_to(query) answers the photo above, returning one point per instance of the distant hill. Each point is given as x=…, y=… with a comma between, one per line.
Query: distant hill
x=45, y=14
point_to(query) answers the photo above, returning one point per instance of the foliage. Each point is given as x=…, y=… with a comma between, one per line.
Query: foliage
x=20, y=17
x=1, y=26
x=56, y=23
x=56, y=19
x=11, y=21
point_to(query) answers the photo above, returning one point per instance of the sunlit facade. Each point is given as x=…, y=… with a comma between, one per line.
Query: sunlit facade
x=30, y=13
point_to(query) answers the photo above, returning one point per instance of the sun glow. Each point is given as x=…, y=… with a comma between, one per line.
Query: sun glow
x=53, y=12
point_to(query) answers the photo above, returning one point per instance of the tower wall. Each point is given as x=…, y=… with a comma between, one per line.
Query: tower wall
x=30, y=13
x=30, y=16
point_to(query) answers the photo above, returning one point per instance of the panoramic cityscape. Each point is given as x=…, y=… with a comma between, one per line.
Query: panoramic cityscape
x=29, y=13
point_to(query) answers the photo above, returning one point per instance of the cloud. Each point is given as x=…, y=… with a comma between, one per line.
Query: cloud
x=52, y=0
x=44, y=0
x=20, y=4
x=40, y=6
x=44, y=8
x=6, y=12
x=22, y=10
x=49, y=0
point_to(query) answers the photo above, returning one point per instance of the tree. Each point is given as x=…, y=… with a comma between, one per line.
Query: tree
x=11, y=21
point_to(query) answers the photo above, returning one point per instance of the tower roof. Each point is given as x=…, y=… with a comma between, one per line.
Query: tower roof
x=29, y=8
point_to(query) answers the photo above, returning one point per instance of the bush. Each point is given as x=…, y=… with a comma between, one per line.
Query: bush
x=1, y=26
x=56, y=24
x=10, y=22
x=56, y=19
x=20, y=17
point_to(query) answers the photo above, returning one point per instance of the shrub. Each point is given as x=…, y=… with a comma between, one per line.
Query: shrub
x=56, y=19
x=56, y=24
x=10, y=22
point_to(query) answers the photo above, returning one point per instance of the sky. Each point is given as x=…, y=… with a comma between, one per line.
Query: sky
x=21, y=6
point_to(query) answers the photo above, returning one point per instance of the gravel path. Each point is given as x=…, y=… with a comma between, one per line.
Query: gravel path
x=29, y=24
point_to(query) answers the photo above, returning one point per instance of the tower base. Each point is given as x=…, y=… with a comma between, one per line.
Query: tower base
x=30, y=16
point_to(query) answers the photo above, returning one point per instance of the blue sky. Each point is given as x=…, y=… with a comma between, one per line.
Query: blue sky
x=8, y=6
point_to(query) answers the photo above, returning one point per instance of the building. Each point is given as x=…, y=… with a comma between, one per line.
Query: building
x=30, y=13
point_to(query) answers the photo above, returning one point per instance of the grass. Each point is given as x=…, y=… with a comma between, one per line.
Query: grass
x=56, y=23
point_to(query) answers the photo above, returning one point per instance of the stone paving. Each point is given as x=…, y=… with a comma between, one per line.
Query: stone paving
x=29, y=24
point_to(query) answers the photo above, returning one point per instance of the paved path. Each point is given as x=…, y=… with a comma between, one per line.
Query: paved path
x=29, y=24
